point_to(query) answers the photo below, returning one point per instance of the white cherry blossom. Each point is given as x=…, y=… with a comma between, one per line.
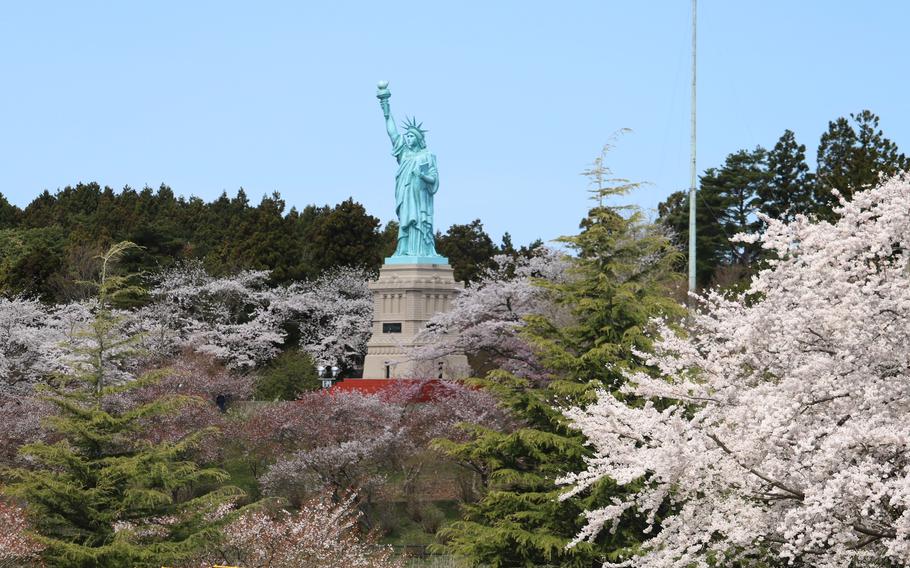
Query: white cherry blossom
x=779, y=426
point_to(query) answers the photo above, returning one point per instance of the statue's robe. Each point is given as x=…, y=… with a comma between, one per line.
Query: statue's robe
x=414, y=200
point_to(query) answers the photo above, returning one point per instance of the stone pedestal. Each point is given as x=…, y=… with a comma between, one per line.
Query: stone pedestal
x=405, y=297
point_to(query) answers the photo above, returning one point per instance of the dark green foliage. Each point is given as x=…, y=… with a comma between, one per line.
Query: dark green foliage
x=389, y=239
x=526, y=251
x=710, y=239
x=623, y=272
x=53, y=244
x=101, y=496
x=520, y=521
x=10, y=215
x=852, y=157
x=258, y=240
x=469, y=250
x=789, y=190
x=341, y=236
x=735, y=188
x=287, y=377
x=29, y=260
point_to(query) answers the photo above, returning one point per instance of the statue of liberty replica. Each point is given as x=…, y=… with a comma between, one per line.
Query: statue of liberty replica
x=416, y=182
x=416, y=282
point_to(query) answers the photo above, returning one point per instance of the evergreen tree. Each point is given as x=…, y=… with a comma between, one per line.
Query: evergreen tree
x=389, y=239
x=212, y=230
x=726, y=202
x=623, y=270
x=29, y=259
x=525, y=251
x=789, y=190
x=851, y=159
x=9, y=214
x=469, y=249
x=267, y=243
x=41, y=212
x=710, y=240
x=738, y=183
x=345, y=235
x=233, y=215
x=287, y=377
x=157, y=228
x=101, y=497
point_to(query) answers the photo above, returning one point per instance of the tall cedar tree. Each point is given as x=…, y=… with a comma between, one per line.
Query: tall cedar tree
x=345, y=235
x=851, y=159
x=10, y=215
x=623, y=270
x=725, y=206
x=29, y=259
x=789, y=189
x=737, y=185
x=101, y=497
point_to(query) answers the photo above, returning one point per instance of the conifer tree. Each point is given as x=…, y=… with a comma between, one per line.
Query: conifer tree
x=851, y=159
x=737, y=184
x=469, y=249
x=9, y=214
x=622, y=273
x=344, y=235
x=101, y=497
x=727, y=200
x=789, y=189
x=710, y=242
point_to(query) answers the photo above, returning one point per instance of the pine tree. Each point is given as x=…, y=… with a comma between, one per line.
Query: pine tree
x=623, y=272
x=101, y=497
x=726, y=202
x=851, y=159
x=737, y=185
x=790, y=188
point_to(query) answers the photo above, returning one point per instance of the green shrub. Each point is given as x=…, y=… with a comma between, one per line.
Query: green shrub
x=287, y=377
x=431, y=518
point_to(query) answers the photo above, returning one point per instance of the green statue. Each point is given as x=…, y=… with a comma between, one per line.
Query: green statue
x=416, y=183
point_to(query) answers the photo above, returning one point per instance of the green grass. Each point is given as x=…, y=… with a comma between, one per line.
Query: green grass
x=241, y=476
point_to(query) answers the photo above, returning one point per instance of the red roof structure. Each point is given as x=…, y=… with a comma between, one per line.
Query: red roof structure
x=424, y=390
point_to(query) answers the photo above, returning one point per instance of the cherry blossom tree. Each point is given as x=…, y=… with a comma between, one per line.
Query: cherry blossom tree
x=486, y=319
x=351, y=441
x=333, y=314
x=31, y=340
x=344, y=440
x=22, y=332
x=243, y=321
x=17, y=547
x=229, y=317
x=203, y=382
x=776, y=430
x=21, y=417
x=321, y=534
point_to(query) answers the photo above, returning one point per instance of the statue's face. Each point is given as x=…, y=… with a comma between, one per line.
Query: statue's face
x=410, y=139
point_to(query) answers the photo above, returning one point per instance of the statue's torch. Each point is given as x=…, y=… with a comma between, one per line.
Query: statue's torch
x=383, y=94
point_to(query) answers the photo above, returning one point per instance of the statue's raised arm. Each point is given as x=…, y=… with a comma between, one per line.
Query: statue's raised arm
x=383, y=94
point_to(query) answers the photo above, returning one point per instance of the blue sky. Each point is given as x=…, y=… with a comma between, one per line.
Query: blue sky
x=518, y=96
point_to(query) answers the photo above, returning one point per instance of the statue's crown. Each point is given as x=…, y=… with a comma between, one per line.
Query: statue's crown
x=412, y=124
